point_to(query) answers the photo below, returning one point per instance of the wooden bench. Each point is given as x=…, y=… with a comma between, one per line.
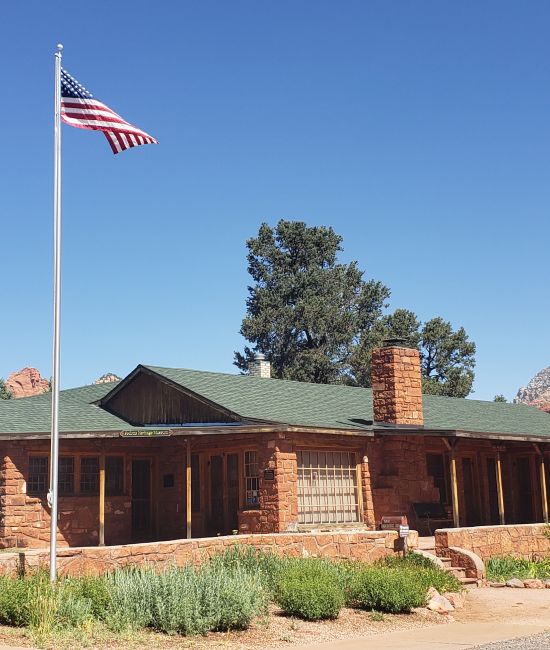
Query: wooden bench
x=432, y=515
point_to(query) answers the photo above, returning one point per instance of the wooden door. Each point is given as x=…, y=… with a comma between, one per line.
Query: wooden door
x=224, y=493
x=524, y=491
x=471, y=493
x=141, y=500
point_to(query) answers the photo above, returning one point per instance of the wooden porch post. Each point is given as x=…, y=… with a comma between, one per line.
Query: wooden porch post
x=102, y=500
x=188, y=504
x=543, y=486
x=454, y=481
x=543, y=490
x=500, y=490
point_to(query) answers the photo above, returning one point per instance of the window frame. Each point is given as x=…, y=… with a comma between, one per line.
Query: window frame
x=350, y=495
x=71, y=492
x=42, y=494
x=88, y=492
x=251, y=479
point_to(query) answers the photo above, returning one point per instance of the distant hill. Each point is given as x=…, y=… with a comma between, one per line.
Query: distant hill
x=107, y=378
x=537, y=391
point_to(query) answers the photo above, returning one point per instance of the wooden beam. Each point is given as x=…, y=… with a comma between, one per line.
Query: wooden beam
x=500, y=490
x=188, y=504
x=102, y=500
x=543, y=488
x=454, y=490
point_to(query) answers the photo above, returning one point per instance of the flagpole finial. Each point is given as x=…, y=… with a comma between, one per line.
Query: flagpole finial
x=59, y=47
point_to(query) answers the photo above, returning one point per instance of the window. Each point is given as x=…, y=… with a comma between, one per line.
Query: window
x=66, y=475
x=251, y=477
x=114, y=475
x=38, y=475
x=195, y=483
x=89, y=475
x=327, y=487
x=437, y=469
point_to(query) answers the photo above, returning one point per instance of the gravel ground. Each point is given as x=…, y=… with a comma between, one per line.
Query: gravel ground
x=535, y=642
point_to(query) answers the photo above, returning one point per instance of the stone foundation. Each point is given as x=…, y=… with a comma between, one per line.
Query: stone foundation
x=367, y=546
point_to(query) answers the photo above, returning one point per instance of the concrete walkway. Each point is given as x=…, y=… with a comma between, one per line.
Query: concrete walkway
x=453, y=635
x=490, y=615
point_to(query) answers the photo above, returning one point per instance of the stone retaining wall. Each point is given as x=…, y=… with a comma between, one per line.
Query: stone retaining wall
x=521, y=540
x=367, y=546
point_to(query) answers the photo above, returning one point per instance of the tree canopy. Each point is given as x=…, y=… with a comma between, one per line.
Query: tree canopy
x=5, y=392
x=317, y=319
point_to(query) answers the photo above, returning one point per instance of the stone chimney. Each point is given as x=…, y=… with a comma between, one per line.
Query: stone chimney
x=397, y=384
x=260, y=367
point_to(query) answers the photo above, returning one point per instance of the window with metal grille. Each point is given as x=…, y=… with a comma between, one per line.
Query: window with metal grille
x=38, y=475
x=327, y=487
x=66, y=475
x=252, y=480
x=114, y=475
x=89, y=475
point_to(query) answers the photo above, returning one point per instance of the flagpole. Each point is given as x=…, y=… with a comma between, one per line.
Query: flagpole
x=54, y=455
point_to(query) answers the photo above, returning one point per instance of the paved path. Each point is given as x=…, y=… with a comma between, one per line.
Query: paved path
x=491, y=616
x=455, y=636
x=537, y=642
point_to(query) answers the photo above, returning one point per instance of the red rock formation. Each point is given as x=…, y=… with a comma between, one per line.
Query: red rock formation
x=107, y=378
x=27, y=382
x=537, y=391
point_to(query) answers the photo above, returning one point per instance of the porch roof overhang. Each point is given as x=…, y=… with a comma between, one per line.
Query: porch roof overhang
x=383, y=429
x=143, y=433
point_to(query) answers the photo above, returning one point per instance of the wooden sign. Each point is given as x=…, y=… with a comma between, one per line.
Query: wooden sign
x=146, y=433
x=393, y=522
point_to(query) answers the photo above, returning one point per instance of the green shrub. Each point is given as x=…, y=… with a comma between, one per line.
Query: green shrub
x=130, y=591
x=506, y=567
x=185, y=600
x=263, y=564
x=21, y=598
x=14, y=598
x=231, y=600
x=390, y=590
x=411, y=559
x=428, y=573
x=310, y=589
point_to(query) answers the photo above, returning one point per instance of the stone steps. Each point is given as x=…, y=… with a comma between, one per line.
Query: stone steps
x=457, y=571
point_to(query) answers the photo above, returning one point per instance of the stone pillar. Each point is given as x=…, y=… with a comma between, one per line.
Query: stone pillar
x=278, y=510
x=397, y=385
x=366, y=492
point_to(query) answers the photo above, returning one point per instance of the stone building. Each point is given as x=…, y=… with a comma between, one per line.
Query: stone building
x=169, y=453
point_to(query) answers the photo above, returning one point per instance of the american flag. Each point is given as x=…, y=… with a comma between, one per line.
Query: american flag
x=80, y=109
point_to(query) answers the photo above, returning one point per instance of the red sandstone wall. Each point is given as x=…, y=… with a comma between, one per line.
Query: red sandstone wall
x=367, y=546
x=398, y=475
x=26, y=518
x=521, y=540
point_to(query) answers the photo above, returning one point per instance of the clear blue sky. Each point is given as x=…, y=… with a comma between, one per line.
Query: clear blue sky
x=419, y=130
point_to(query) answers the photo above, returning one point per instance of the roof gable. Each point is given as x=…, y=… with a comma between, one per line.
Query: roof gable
x=145, y=398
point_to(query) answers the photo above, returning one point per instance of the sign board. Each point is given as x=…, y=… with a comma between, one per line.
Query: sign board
x=146, y=433
x=269, y=474
x=403, y=531
x=393, y=522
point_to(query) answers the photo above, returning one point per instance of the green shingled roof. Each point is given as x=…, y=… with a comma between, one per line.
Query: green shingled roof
x=272, y=400
x=76, y=412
